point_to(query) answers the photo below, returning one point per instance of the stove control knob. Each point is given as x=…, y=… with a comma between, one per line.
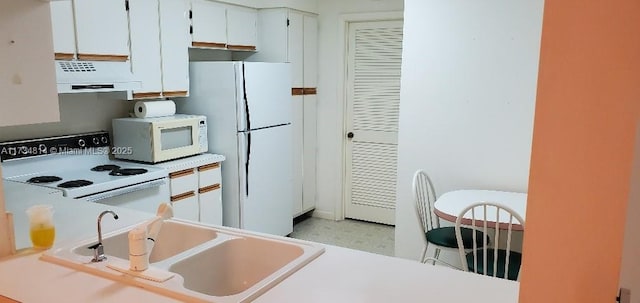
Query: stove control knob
x=96, y=141
x=104, y=139
x=82, y=143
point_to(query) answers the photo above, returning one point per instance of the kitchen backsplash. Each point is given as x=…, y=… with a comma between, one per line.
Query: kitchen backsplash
x=78, y=113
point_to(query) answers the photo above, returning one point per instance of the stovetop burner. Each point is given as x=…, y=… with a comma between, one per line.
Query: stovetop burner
x=107, y=167
x=128, y=171
x=44, y=179
x=75, y=183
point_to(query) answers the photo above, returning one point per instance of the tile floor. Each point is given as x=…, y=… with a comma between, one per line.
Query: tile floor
x=354, y=234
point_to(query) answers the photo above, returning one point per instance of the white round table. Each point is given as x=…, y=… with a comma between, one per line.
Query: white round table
x=450, y=204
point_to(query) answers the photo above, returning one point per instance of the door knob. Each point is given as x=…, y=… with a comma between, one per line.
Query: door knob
x=350, y=135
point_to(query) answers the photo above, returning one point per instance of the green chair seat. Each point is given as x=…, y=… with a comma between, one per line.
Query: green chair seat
x=446, y=237
x=515, y=259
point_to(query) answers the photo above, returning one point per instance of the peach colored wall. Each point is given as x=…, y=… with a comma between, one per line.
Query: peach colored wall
x=587, y=109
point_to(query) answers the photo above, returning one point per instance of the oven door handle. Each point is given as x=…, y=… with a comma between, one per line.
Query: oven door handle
x=124, y=190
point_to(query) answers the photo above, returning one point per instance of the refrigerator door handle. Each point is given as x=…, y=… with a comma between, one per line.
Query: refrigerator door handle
x=247, y=163
x=246, y=101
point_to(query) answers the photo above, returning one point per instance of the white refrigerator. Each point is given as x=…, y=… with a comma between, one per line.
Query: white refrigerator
x=248, y=107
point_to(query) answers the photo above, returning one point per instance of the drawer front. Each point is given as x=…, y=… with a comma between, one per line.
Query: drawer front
x=183, y=181
x=211, y=205
x=185, y=206
x=209, y=175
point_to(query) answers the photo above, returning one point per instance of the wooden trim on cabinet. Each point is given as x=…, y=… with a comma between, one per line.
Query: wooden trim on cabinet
x=63, y=56
x=97, y=57
x=241, y=47
x=209, y=166
x=175, y=93
x=181, y=173
x=209, y=188
x=310, y=90
x=147, y=95
x=183, y=196
x=208, y=44
x=297, y=91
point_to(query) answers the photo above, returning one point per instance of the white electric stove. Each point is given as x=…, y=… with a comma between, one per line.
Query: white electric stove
x=81, y=168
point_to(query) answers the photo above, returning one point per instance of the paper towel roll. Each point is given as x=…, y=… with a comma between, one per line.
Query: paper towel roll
x=150, y=109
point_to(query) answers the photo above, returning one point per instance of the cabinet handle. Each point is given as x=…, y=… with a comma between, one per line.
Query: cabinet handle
x=310, y=90
x=181, y=173
x=177, y=93
x=208, y=44
x=209, y=188
x=209, y=166
x=146, y=95
x=63, y=56
x=186, y=195
x=241, y=47
x=98, y=57
x=297, y=91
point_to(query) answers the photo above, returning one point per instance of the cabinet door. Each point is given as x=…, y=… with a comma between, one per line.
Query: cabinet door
x=144, y=33
x=64, y=34
x=102, y=30
x=210, y=199
x=174, y=37
x=27, y=70
x=209, y=24
x=183, y=181
x=185, y=206
x=297, y=125
x=310, y=46
x=309, y=153
x=242, y=31
x=295, y=48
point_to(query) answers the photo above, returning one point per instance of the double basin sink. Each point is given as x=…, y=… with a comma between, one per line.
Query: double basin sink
x=206, y=264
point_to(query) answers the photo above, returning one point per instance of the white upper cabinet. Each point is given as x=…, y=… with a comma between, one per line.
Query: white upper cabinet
x=174, y=39
x=145, y=47
x=242, y=31
x=159, y=36
x=310, y=50
x=64, y=36
x=294, y=48
x=27, y=76
x=209, y=24
x=101, y=29
x=219, y=25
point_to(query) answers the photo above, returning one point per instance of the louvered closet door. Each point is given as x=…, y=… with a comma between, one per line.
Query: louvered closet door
x=373, y=102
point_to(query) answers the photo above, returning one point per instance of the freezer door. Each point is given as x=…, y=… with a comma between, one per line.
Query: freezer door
x=264, y=95
x=266, y=178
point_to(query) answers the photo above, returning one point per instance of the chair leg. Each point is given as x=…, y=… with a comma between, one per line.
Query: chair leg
x=436, y=255
x=424, y=254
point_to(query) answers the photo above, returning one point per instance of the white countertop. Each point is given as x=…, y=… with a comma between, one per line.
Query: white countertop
x=338, y=275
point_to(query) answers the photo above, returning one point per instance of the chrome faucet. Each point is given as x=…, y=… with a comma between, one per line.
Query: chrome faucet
x=98, y=249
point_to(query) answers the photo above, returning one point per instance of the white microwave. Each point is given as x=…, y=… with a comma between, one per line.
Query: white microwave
x=154, y=140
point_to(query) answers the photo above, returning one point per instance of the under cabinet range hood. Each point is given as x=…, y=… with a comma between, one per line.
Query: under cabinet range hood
x=95, y=76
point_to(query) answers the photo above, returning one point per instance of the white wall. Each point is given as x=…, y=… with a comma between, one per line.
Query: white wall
x=330, y=103
x=79, y=113
x=469, y=77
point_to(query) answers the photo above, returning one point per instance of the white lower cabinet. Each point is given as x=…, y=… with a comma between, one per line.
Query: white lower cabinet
x=196, y=188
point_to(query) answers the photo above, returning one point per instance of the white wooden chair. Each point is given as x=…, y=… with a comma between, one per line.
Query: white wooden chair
x=424, y=196
x=485, y=259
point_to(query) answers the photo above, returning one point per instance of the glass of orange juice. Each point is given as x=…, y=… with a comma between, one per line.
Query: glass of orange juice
x=41, y=227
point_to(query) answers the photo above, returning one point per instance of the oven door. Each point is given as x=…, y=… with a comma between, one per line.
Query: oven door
x=145, y=196
x=174, y=139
